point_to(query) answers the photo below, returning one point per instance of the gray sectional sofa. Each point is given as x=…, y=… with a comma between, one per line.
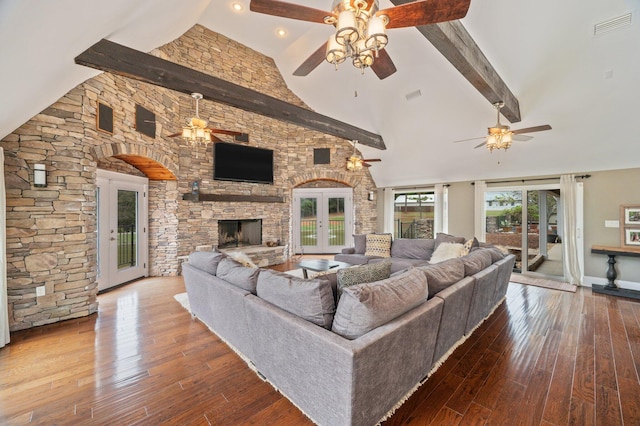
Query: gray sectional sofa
x=352, y=363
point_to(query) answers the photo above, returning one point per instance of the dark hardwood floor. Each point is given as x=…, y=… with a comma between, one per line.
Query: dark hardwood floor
x=545, y=357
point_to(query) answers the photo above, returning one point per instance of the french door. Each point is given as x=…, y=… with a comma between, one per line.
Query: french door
x=322, y=220
x=122, y=228
x=528, y=222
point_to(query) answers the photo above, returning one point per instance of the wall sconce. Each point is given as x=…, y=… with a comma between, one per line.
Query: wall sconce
x=372, y=196
x=39, y=176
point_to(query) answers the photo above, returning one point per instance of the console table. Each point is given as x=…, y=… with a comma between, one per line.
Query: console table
x=611, y=288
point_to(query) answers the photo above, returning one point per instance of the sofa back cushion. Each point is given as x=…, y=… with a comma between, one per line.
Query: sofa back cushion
x=378, y=245
x=363, y=274
x=442, y=275
x=476, y=261
x=311, y=300
x=360, y=243
x=206, y=260
x=441, y=237
x=235, y=273
x=407, y=248
x=366, y=306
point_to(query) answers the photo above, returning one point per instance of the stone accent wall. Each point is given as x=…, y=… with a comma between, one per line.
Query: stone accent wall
x=51, y=232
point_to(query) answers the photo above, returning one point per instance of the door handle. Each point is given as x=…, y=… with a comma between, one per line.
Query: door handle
x=112, y=239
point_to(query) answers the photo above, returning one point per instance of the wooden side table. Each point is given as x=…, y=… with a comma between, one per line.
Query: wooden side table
x=611, y=287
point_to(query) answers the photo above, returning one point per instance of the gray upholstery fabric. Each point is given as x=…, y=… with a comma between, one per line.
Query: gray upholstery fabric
x=476, y=261
x=237, y=274
x=441, y=237
x=364, y=307
x=348, y=250
x=483, y=291
x=442, y=275
x=505, y=268
x=354, y=259
x=399, y=264
x=362, y=274
x=220, y=306
x=206, y=260
x=495, y=252
x=309, y=299
x=412, y=248
x=457, y=300
x=360, y=243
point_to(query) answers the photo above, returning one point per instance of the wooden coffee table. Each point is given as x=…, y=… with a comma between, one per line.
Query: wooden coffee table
x=320, y=265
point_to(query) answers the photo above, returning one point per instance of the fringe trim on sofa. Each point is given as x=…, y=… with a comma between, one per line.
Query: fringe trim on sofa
x=437, y=365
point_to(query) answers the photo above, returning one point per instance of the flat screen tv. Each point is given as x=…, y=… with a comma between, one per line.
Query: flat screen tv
x=242, y=163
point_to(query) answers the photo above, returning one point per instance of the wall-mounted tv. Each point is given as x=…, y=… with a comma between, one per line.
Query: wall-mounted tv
x=242, y=163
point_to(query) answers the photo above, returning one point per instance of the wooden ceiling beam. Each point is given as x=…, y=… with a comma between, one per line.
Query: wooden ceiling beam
x=453, y=40
x=120, y=60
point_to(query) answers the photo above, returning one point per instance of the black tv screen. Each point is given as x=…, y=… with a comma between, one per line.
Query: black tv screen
x=242, y=163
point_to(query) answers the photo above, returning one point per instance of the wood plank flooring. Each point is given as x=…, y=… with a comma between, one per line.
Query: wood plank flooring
x=545, y=357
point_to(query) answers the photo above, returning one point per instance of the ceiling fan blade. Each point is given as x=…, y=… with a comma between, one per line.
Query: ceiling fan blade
x=289, y=10
x=174, y=135
x=521, y=138
x=532, y=129
x=312, y=61
x=424, y=12
x=215, y=139
x=383, y=66
x=225, y=132
x=371, y=160
x=470, y=139
x=479, y=145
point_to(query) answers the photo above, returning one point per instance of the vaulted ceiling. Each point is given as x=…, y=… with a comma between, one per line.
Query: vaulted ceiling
x=584, y=85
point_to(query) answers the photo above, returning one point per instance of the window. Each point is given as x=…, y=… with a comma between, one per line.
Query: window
x=414, y=214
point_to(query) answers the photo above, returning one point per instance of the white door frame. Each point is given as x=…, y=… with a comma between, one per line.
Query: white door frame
x=322, y=221
x=108, y=183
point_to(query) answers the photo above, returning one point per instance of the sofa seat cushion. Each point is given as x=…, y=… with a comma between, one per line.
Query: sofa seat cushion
x=400, y=264
x=446, y=251
x=407, y=248
x=362, y=274
x=442, y=275
x=378, y=245
x=206, y=260
x=354, y=259
x=364, y=307
x=237, y=274
x=311, y=300
x=476, y=261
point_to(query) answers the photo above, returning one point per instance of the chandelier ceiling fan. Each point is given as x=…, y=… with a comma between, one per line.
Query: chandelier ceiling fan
x=500, y=136
x=361, y=28
x=196, y=131
x=355, y=162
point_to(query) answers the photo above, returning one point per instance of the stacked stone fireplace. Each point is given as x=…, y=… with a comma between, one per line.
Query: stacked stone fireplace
x=239, y=233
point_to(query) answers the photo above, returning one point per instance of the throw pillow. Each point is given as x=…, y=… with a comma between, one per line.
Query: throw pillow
x=441, y=237
x=470, y=244
x=311, y=299
x=206, y=260
x=360, y=243
x=378, y=245
x=366, y=306
x=363, y=274
x=446, y=251
x=238, y=275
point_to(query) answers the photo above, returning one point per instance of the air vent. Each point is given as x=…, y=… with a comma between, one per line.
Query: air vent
x=614, y=24
x=413, y=95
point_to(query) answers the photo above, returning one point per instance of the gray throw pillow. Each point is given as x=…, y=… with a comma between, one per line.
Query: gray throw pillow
x=442, y=275
x=235, y=273
x=311, y=300
x=407, y=248
x=441, y=237
x=360, y=243
x=367, y=306
x=206, y=260
x=362, y=274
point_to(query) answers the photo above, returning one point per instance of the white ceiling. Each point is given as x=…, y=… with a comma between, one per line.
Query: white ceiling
x=586, y=87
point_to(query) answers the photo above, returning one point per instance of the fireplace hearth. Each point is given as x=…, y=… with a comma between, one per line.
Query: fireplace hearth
x=239, y=233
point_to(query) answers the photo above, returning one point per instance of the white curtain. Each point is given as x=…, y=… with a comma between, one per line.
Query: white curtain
x=440, y=214
x=4, y=305
x=479, y=227
x=389, y=200
x=568, y=192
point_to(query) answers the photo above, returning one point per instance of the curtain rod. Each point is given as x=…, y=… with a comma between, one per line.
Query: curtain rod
x=532, y=180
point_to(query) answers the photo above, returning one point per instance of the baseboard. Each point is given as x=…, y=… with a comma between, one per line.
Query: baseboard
x=629, y=285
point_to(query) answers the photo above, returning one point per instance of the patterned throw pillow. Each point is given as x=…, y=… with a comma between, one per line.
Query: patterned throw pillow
x=378, y=245
x=363, y=274
x=469, y=244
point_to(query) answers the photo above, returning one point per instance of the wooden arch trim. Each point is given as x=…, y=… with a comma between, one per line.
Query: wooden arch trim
x=346, y=178
x=155, y=166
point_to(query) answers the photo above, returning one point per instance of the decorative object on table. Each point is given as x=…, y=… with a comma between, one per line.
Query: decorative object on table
x=360, y=28
x=272, y=243
x=630, y=225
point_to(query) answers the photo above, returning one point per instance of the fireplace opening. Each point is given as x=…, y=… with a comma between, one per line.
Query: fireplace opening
x=239, y=233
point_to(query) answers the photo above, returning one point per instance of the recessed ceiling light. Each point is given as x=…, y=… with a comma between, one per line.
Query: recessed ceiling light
x=237, y=6
x=281, y=32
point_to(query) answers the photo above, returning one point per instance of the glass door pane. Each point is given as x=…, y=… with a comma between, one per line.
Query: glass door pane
x=336, y=229
x=503, y=221
x=127, y=233
x=308, y=223
x=544, y=243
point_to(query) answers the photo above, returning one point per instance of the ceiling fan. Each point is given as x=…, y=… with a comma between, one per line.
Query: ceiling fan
x=500, y=136
x=361, y=28
x=196, y=130
x=355, y=162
